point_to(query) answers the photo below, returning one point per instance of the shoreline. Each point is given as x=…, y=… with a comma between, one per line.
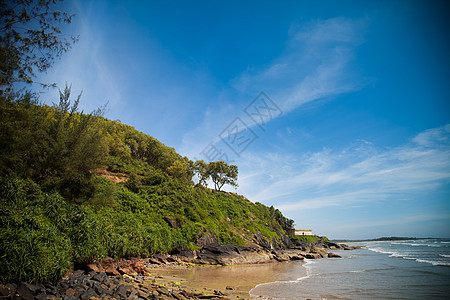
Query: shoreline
x=235, y=281
x=215, y=272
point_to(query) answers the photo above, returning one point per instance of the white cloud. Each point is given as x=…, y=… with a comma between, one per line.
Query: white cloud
x=353, y=176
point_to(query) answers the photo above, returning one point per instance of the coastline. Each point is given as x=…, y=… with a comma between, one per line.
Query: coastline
x=215, y=272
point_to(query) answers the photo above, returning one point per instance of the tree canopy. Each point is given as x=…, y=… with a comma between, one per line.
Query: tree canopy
x=222, y=173
x=30, y=40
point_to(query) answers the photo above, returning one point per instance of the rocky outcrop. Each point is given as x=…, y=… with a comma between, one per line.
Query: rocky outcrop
x=232, y=255
x=205, y=238
x=108, y=266
x=284, y=242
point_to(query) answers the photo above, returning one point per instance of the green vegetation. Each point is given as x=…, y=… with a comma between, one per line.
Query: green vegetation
x=60, y=204
x=76, y=187
x=218, y=171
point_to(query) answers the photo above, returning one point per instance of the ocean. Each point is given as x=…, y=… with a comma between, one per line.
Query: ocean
x=416, y=269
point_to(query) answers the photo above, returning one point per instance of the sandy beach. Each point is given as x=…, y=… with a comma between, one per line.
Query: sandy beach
x=234, y=281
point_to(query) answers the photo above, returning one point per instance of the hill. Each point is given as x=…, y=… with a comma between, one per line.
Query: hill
x=76, y=187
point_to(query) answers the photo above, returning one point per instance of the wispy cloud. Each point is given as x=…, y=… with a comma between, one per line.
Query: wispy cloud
x=356, y=175
x=316, y=64
x=86, y=67
x=407, y=219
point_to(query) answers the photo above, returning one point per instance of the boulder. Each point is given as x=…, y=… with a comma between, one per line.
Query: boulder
x=333, y=255
x=231, y=254
x=313, y=255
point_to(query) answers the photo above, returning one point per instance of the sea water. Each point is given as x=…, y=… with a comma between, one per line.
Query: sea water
x=418, y=269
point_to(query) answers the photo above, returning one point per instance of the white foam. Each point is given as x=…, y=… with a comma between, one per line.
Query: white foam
x=409, y=256
x=434, y=263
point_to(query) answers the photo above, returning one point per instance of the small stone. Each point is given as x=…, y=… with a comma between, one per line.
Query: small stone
x=4, y=291
x=70, y=292
x=229, y=288
x=178, y=296
x=41, y=297
x=93, y=267
x=77, y=274
x=25, y=290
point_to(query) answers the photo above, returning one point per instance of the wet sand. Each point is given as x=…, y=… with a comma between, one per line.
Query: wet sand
x=234, y=281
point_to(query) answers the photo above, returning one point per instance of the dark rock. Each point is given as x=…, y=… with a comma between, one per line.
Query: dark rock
x=77, y=274
x=174, y=223
x=26, y=290
x=4, y=291
x=64, y=285
x=41, y=297
x=206, y=238
x=286, y=241
x=313, y=255
x=334, y=245
x=296, y=257
x=88, y=294
x=229, y=288
x=231, y=254
x=333, y=255
x=260, y=240
x=155, y=261
x=100, y=277
x=274, y=244
x=12, y=287
x=121, y=291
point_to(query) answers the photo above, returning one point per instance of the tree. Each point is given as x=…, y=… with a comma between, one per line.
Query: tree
x=221, y=173
x=76, y=147
x=30, y=40
x=202, y=172
x=181, y=169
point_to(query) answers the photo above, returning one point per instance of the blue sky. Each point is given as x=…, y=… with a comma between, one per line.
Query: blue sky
x=352, y=138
